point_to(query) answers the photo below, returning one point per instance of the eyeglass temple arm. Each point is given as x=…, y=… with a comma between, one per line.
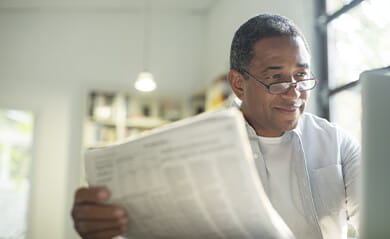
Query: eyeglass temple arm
x=266, y=86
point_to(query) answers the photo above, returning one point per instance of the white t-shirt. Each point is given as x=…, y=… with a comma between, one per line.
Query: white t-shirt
x=284, y=192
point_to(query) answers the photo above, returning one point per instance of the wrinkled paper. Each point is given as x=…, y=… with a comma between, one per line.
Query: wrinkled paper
x=192, y=179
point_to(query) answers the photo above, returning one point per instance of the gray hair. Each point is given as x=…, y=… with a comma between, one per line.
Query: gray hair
x=255, y=29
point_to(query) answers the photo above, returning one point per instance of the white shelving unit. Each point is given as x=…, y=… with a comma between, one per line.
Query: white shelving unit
x=114, y=116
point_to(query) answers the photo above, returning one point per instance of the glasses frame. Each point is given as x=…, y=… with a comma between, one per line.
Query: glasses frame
x=290, y=83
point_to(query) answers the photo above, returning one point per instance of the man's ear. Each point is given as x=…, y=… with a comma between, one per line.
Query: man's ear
x=236, y=80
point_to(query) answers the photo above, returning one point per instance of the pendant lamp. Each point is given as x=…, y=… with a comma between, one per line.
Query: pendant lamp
x=145, y=81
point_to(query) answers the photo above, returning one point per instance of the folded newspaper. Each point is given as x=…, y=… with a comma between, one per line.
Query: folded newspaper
x=192, y=179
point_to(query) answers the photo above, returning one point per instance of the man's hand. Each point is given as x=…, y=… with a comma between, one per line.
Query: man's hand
x=94, y=220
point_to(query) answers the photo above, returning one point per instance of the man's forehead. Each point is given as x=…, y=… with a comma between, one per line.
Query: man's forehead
x=279, y=63
x=281, y=67
x=275, y=52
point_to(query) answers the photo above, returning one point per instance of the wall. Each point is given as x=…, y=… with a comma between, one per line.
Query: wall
x=51, y=152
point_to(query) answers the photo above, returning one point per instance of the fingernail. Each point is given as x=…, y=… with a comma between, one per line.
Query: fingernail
x=102, y=194
x=123, y=221
x=119, y=212
x=124, y=228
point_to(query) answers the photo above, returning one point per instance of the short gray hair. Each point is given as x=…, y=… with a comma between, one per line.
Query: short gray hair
x=255, y=29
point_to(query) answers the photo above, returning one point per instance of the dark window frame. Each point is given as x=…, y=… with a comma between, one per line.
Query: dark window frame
x=325, y=92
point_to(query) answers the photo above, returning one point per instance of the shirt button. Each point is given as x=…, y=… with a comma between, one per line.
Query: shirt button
x=255, y=155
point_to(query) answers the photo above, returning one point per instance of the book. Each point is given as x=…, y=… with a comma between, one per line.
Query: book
x=195, y=178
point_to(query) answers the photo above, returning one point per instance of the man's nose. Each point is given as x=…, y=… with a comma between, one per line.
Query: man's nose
x=293, y=92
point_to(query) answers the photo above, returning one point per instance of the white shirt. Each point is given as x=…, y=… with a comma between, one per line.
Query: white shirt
x=284, y=192
x=326, y=161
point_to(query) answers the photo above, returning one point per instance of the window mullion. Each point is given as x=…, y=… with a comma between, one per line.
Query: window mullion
x=323, y=87
x=343, y=10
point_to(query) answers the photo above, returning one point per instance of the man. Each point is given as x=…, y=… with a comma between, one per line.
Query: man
x=308, y=167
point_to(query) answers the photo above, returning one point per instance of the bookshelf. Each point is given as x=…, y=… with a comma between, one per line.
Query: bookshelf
x=114, y=116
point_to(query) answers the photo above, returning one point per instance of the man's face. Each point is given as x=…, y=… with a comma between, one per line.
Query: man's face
x=276, y=59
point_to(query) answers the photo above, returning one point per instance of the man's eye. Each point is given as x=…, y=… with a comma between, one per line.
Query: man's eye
x=276, y=76
x=302, y=75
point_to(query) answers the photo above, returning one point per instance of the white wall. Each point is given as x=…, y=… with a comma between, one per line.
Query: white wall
x=52, y=109
x=50, y=57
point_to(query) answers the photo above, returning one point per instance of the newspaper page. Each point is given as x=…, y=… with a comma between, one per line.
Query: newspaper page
x=192, y=179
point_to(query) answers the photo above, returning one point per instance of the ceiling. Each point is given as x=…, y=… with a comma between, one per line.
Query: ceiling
x=190, y=5
x=91, y=36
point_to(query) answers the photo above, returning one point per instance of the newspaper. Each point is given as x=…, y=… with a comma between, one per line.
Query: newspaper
x=192, y=179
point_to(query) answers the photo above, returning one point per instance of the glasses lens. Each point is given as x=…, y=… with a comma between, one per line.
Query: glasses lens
x=279, y=88
x=306, y=84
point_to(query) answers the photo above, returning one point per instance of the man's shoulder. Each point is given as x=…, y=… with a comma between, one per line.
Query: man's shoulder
x=313, y=126
x=314, y=122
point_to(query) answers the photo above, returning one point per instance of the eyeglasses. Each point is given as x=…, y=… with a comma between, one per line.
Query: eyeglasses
x=305, y=83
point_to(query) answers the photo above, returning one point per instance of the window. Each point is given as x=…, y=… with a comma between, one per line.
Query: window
x=357, y=40
x=16, y=129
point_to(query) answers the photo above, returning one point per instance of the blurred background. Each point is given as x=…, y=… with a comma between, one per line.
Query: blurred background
x=68, y=71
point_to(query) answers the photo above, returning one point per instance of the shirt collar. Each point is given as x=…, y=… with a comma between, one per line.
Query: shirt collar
x=251, y=131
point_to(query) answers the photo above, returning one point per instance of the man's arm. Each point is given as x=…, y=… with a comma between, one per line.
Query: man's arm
x=350, y=156
x=95, y=220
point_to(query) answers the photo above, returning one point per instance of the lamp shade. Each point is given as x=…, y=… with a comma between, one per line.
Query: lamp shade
x=145, y=82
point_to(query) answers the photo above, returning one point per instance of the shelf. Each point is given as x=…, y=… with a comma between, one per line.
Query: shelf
x=145, y=122
x=103, y=122
x=114, y=116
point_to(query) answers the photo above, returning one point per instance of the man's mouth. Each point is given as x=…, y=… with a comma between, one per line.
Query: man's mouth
x=290, y=107
x=288, y=110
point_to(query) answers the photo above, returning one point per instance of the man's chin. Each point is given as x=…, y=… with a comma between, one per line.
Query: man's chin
x=290, y=124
